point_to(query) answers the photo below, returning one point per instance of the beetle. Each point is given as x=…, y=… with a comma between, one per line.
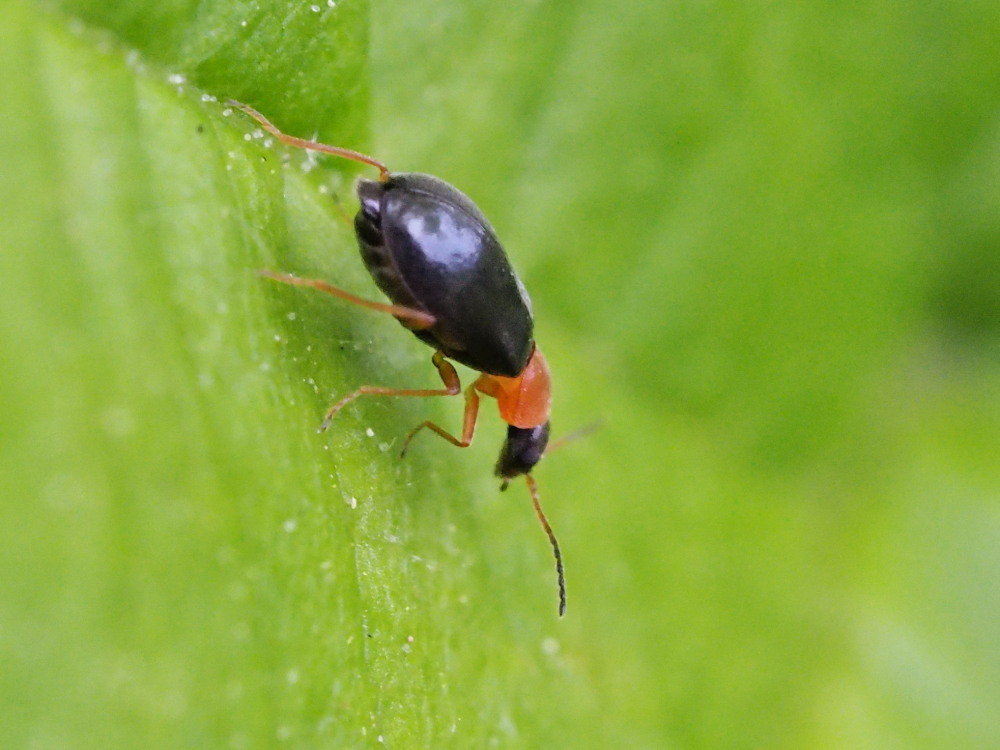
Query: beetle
x=435, y=255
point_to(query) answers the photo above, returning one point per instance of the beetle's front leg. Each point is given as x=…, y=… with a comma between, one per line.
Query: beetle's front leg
x=468, y=424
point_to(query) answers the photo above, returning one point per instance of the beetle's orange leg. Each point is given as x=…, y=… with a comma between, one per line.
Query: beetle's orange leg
x=468, y=424
x=291, y=140
x=417, y=320
x=446, y=370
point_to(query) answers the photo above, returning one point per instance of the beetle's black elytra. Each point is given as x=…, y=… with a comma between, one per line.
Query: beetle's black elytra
x=427, y=246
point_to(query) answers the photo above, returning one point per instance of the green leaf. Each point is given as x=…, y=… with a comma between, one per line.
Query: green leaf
x=186, y=561
x=758, y=242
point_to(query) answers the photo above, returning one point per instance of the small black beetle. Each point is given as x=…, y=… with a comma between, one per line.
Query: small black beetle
x=434, y=254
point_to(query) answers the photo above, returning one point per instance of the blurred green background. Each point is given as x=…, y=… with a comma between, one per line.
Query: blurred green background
x=763, y=245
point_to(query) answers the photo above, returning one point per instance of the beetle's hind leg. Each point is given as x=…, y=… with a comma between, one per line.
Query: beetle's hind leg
x=291, y=140
x=453, y=386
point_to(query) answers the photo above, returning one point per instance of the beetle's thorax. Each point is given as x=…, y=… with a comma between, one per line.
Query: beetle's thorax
x=525, y=401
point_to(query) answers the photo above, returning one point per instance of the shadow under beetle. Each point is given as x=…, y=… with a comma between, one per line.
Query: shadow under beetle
x=434, y=254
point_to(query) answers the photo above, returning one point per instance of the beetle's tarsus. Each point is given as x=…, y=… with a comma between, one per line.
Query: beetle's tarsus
x=328, y=419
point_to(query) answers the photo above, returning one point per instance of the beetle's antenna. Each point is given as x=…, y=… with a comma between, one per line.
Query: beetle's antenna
x=291, y=140
x=575, y=435
x=533, y=489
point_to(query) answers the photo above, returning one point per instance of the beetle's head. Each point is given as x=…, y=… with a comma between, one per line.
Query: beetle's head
x=522, y=449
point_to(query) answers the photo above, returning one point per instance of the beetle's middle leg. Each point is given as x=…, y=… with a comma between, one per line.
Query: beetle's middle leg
x=417, y=320
x=453, y=386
